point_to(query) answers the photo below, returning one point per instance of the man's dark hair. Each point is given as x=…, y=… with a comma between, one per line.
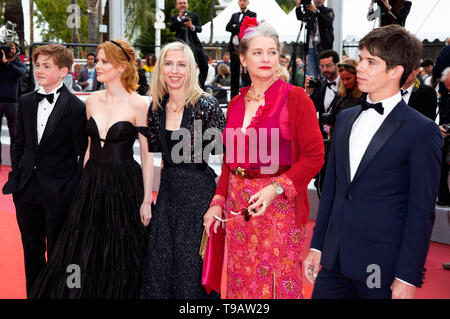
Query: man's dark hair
x=427, y=62
x=91, y=54
x=394, y=45
x=329, y=54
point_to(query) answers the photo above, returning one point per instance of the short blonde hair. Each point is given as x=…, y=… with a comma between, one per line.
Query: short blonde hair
x=159, y=87
x=125, y=56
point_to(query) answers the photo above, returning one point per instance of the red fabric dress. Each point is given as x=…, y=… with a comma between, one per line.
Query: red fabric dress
x=264, y=254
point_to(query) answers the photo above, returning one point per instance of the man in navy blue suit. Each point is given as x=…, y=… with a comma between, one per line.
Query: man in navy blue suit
x=377, y=207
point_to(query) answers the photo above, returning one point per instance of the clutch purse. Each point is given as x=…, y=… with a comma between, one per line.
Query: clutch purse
x=213, y=259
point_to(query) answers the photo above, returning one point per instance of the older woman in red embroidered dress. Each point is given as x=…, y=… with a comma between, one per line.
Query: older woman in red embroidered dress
x=273, y=150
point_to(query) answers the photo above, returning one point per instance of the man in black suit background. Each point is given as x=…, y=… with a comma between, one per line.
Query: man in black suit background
x=320, y=33
x=233, y=26
x=186, y=25
x=47, y=156
x=419, y=96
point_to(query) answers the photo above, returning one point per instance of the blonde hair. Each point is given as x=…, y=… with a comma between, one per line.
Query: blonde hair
x=125, y=56
x=159, y=87
x=348, y=65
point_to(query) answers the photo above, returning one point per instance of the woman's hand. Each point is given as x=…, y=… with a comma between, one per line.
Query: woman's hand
x=261, y=200
x=209, y=218
x=146, y=213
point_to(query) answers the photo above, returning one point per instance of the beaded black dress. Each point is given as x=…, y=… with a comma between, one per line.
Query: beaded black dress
x=103, y=240
x=173, y=266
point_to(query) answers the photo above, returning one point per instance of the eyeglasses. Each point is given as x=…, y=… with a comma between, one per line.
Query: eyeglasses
x=328, y=66
x=244, y=213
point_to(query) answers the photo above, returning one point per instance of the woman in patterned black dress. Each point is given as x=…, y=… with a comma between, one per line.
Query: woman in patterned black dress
x=180, y=117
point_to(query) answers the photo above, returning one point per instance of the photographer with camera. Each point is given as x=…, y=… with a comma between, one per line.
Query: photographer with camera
x=323, y=93
x=186, y=25
x=389, y=11
x=320, y=32
x=11, y=71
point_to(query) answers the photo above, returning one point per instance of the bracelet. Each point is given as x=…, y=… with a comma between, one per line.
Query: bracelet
x=218, y=201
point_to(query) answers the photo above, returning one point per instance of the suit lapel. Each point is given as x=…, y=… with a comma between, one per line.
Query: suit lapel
x=390, y=125
x=33, y=119
x=346, y=142
x=55, y=115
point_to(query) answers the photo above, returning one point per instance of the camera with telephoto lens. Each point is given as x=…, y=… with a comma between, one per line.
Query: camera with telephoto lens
x=4, y=48
x=306, y=2
x=313, y=84
x=184, y=18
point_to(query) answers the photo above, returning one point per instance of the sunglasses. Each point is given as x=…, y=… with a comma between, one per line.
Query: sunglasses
x=243, y=213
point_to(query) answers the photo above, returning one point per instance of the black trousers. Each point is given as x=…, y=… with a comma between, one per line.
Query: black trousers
x=235, y=69
x=10, y=111
x=39, y=219
x=444, y=194
x=332, y=284
x=202, y=62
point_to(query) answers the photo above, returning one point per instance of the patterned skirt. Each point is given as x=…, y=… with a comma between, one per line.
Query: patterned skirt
x=265, y=253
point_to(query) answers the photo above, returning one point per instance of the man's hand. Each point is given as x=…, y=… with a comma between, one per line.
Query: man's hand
x=307, y=88
x=311, y=265
x=4, y=60
x=299, y=2
x=400, y=290
x=189, y=24
x=387, y=5
x=443, y=131
x=312, y=8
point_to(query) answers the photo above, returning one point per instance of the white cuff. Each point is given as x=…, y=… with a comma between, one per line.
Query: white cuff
x=404, y=281
x=313, y=249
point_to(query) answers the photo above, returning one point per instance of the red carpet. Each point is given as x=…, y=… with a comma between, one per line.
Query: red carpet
x=12, y=274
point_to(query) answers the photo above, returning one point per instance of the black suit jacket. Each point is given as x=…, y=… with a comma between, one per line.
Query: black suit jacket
x=234, y=26
x=384, y=215
x=58, y=159
x=186, y=34
x=424, y=100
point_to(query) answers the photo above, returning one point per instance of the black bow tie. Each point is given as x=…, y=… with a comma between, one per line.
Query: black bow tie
x=330, y=84
x=377, y=106
x=49, y=97
x=404, y=92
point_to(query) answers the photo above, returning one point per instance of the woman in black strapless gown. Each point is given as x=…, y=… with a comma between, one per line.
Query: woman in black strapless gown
x=101, y=248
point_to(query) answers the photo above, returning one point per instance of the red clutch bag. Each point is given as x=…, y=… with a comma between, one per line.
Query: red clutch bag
x=213, y=261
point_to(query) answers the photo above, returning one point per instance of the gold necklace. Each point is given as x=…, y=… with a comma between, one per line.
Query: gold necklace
x=250, y=97
x=174, y=108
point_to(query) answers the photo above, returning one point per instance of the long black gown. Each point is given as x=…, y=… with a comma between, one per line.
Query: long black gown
x=103, y=235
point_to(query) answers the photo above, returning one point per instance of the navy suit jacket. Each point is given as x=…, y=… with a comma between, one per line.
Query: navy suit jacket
x=384, y=216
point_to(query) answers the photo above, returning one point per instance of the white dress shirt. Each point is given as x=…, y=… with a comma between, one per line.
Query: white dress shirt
x=45, y=108
x=407, y=95
x=365, y=127
x=330, y=93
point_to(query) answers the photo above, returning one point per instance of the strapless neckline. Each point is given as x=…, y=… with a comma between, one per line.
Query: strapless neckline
x=109, y=129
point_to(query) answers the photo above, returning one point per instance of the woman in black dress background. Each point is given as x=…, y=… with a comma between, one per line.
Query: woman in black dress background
x=104, y=237
x=179, y=115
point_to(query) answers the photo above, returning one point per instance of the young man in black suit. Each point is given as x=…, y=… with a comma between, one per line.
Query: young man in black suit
x=377, y=210
x=186, y=25
x=234, y=26
x=419, y=96
x=47, y=156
